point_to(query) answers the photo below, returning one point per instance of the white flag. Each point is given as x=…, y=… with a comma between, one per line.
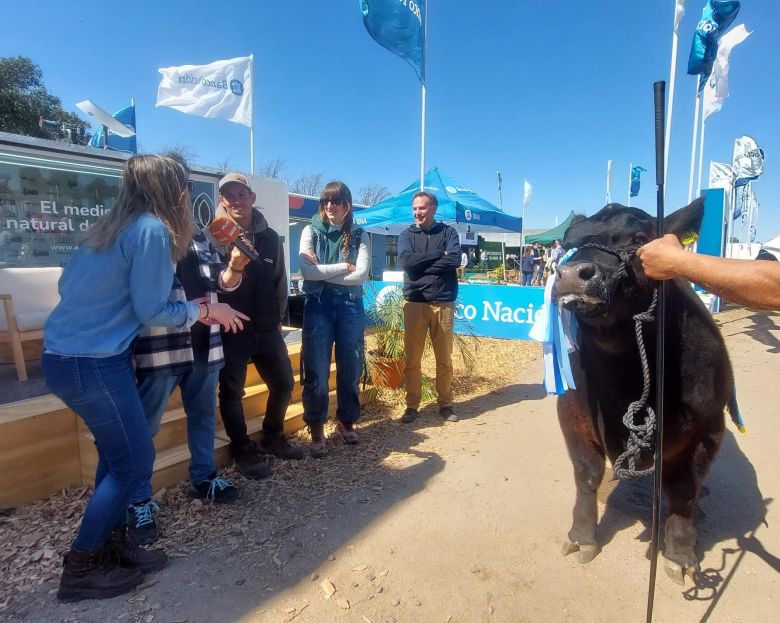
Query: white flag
x=716, y=88
x=527, y=192
x=748, y=160
x=609, y=181
x=679, y=11
x=720, y=175
x=220, y=90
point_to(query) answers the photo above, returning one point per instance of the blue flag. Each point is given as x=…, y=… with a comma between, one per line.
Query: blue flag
x=716, y=17
x=126, y=116
x=636, y=172
x=399, y=26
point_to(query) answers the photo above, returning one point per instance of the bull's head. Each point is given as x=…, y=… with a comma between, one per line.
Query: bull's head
x=601, y=285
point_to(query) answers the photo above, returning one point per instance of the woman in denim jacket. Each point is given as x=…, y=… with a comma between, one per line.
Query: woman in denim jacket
x=335, y=257
x=115, y=283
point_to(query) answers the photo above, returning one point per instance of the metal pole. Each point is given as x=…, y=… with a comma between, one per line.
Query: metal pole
x=630, y=168
x=252, y=117
x=693, y=141
x=422, y=122
x=659, y=89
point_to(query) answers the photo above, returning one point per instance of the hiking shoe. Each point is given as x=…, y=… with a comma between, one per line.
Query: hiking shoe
x=95, y=575
x=130, y=555
x=317, y=447
x=215, y=489
x=249, y=463
x=140, y=522
x=347, y=432
x=279, y=447
x=410, y=415
x=448, y=414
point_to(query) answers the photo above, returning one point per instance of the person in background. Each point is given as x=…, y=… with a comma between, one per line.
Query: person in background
x=263, y=297
x=190, y=359
x=429, y=253
x=335, y=257
x=744, y=282
x=527, y=266
x=117, y=282
x=556, y=253
x=464, y=262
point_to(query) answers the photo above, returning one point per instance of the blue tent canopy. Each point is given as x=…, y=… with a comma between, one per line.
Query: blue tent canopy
x=458, y=206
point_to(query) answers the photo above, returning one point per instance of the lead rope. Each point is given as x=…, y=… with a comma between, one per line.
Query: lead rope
x=640, y=436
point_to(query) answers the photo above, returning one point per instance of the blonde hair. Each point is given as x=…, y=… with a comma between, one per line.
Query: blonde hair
x=156, y=185
x=338, y=191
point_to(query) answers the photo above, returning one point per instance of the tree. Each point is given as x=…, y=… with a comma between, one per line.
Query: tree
x=372, y=194
x=24, y=99
x=310, y=185
x=186, y=153
x=273, y=169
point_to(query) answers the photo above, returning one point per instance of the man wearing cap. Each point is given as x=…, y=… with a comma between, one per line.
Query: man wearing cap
x=263, y=297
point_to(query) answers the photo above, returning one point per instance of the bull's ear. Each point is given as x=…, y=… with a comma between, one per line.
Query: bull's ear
x=685, y=221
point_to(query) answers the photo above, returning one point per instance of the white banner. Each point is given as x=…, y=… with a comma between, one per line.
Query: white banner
x=716, y=89
x=679, y=11
x=720, y=175
x=527, y=192
x=748, y=160
x=220, y=90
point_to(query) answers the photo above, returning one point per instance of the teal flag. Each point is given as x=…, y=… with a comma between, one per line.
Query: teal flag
x=636, y=173
x=399, y=26
x=716, y=17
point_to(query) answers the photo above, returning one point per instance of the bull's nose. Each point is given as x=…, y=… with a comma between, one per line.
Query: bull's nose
x=576, y=271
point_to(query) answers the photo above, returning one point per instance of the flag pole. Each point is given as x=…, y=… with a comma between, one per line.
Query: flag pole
x=630, y=168
x=701, y=154
x=252, y=117
x=503, y=236
x=693, y=142
x=424, y=90
x=672, y=77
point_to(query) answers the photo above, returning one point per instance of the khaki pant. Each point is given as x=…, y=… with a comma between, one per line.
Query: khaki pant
x=418, y=319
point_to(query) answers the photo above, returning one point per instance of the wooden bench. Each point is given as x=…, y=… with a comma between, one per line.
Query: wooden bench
x=28, y=296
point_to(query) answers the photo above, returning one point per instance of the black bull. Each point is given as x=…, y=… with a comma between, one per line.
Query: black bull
x=607, y=370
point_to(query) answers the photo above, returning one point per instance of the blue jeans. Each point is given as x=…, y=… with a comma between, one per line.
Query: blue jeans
x=103, y=392
x=199, y=397
x=328, y=319
x=527, y=278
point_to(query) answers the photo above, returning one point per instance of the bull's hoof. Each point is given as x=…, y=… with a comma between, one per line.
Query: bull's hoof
x=677, y=572
x=587, y=552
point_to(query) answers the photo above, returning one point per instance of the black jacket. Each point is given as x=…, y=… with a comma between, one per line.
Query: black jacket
x=262, y=294
x=430, y=259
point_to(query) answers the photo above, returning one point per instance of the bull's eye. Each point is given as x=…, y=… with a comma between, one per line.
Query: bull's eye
x=640, y=238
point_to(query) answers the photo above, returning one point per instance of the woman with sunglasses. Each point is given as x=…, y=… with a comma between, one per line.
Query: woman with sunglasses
x=335, y=257
x=117, y=282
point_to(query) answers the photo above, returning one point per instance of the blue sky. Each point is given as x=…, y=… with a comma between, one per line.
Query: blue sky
x=547, y=91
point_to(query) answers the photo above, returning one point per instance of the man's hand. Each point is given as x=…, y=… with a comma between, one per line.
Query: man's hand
x=662, y=258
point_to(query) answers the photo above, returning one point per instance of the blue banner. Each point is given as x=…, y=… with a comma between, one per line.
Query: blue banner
x=487, y=311
x=636, y=173
x=716, y=17
x=126, y=116
x=399, y=26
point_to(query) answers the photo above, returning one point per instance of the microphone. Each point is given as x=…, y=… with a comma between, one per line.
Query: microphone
x=226, y=231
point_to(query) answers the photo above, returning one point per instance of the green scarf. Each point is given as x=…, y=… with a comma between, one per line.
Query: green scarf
x=333, y=235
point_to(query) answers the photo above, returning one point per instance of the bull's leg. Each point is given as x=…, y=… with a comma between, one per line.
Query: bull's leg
x=588, y=462
x=682, y=480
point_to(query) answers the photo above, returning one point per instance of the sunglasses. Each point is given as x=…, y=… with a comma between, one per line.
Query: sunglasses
x=335, y=202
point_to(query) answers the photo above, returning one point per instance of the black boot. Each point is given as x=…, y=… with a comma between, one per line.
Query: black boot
x=94, y=575
x=129, y=555
x=249, y=462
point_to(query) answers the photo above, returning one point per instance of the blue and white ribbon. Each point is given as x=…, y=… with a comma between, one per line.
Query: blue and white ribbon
x=556, y=329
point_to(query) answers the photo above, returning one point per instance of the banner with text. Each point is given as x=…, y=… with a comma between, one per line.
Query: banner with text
x=490, y=311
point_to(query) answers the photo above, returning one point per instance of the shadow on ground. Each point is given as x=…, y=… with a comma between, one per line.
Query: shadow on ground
x=731, y=506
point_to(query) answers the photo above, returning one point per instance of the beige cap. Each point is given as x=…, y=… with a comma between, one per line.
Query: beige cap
x=236, y=178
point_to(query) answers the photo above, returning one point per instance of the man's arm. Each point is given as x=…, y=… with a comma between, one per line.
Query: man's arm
x=450, y=260
x=744, y=282
x=413, y=262
x=280, y=281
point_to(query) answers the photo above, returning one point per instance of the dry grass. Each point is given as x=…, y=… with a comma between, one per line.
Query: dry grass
x=34, y=538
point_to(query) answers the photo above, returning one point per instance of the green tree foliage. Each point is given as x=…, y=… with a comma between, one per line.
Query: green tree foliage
x=24, y=98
